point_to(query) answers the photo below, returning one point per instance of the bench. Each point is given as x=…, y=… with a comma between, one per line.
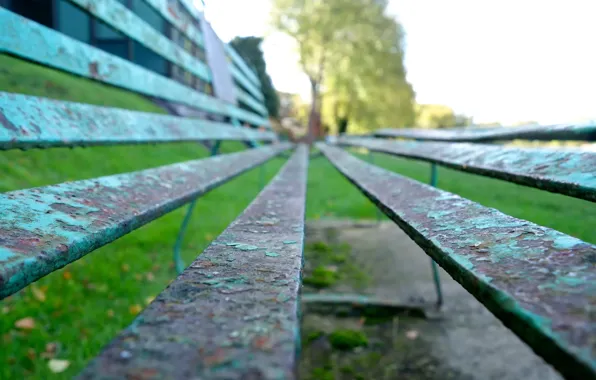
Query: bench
x=234, y=311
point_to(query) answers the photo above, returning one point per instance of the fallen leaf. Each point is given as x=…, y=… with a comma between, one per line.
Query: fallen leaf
x=208, y=237
x=110, y=313
x=31, y=354
x=155, y=267
x=149, y=299
x=50, y=350
x=67, y=275
x=27, y=323
x=412, y=334
x=125, y=267
x=149, y=276
x=138, y=277
x=58, y=365
x=38, y=293
x=5, y=309
x=135, y=309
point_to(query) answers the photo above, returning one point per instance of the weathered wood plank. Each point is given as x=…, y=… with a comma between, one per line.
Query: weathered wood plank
x=539, y=282
x=43, y=229
x=30, y=40
x=127, y=22
x=196, y=35
x=31, y=122
x=233, y=313
x=567, y=172
x=581, y=132
x=244, y=67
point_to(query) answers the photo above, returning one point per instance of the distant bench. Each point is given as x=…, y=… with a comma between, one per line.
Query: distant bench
x=234, y=312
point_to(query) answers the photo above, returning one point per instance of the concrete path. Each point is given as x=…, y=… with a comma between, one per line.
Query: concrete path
x=464, y=341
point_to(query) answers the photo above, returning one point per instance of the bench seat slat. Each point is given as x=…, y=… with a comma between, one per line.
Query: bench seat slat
x=580, y=132
x=567, y=172
x=30, y=40
x=233, y=313
x=32, y=122
x=43, y=229
x=541, y=283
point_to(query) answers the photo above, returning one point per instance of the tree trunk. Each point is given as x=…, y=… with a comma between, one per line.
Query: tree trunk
x=312, y=117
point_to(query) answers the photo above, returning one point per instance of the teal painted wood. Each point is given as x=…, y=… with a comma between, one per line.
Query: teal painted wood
x=195, y=35
x=539, y=282
x=173, y=17
x=254, y=91
x=33, y=41
x=581, y=132
x=237, y=59
x=250, y=101
x=46, y=228
x=234, y=312
x=569, y=172
x=32, y=122
x=122, y=19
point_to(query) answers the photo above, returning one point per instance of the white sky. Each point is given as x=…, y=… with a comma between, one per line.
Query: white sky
x=497, y=60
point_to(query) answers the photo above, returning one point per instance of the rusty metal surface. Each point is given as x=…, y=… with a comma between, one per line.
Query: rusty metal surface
x=561, y=171
x=234, y=312
x=119, y=17
x=581, y=132
x=539, y=282
x=43, y=229
x=30, y=40
x=32, y=122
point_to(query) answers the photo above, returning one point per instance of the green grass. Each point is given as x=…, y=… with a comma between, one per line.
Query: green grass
x=89, y=301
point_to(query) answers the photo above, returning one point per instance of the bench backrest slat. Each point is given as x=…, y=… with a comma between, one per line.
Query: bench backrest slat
x=31, y=122
x=244, y=75
x=567, y=172
x=45, y=228
x=122, y=19
x=580, y=132
x=38, y=43
x=541, y=283
x=236, y=303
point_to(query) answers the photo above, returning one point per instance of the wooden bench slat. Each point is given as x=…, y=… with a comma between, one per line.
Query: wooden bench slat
x=43, y=229
x=196, y=35
x=580, y=132
x=30, y=40
x=233, y=313
x=245, y=69
x=539, y=282
x=119, y=17
x=32, y=122
x=170, y=14
x=250, y=101
x=567, y=172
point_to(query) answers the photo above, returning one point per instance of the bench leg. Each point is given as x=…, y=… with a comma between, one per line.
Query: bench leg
x=178, y=262
x=434, y=174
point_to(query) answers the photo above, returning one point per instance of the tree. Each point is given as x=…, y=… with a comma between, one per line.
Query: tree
x=249, y=48
x=352, y=53
x=439, y=116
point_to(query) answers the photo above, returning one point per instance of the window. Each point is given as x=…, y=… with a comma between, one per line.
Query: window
x=73, y=21
x=149, y=59
x=110, y=40
x=149, y=15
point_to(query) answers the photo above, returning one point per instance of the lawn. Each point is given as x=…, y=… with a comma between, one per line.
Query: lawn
x=75, y=311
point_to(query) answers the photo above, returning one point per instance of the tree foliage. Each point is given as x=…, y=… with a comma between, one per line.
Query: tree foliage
x=352, y=53
x=249, y=48
x=439, y=116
